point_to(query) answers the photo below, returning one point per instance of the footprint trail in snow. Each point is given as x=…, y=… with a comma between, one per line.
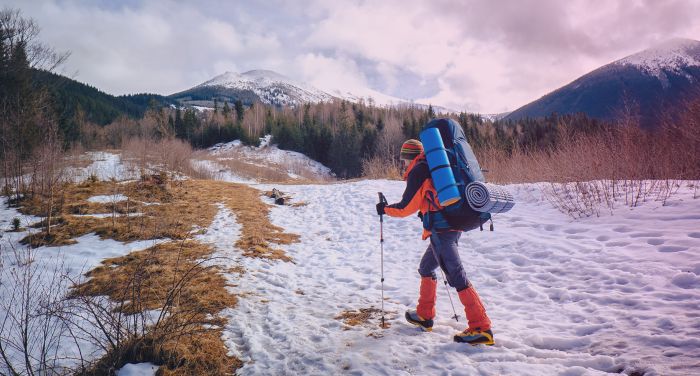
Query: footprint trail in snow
x=593, y=296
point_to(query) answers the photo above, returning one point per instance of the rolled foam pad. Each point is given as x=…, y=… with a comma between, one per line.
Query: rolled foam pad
x=489, y=198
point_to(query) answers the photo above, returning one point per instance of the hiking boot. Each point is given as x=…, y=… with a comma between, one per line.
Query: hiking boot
x=413, y=318
x=475, y=337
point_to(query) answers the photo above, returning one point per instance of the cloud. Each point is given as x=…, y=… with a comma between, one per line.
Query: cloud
x=329, y=73
x=481, y=55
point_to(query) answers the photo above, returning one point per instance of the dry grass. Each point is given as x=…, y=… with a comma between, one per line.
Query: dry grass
x=149, y=280
x=182, y=207
x=174, y=210
x=258, y=233
x=381, y=168
x=257, y=167
x=170, y=154
x=362, y=317
x=157, y=267
x=246, y=170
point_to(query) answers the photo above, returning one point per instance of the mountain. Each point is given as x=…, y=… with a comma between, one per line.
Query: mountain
x=272, y=88
x=648, y=85
x=257, y=85
x=68, y=96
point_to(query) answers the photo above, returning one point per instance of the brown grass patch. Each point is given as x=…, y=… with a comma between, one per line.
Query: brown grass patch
x=362, y=317
x=152, y=279
x=156, y=268
x=143, y=280
x=258, y=232
x=182, y=207
x=257, y=167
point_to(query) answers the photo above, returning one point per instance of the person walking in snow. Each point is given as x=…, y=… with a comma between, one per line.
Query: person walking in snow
x=442, y=251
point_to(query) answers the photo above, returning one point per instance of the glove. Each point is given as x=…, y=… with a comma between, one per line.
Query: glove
x=380, y=208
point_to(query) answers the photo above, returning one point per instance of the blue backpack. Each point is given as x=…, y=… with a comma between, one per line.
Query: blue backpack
x=466, y=169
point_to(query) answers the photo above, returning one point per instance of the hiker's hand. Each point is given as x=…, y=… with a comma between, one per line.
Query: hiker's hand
x=380, y=208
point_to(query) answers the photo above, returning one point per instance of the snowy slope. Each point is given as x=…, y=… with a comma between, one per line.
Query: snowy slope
x=673, y=55
x=589, y=297
x=266, y=156
x=273, y=88
x=269, y=86
x=654, y=82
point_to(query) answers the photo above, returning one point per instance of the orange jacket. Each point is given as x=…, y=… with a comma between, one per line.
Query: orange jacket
x=415, y=196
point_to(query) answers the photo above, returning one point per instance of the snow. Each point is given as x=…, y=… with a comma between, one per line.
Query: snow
x=496, y=116
x=220, y=172
x=672, y=56
x=138, y=369
x=295, y=164
x=270, y=87
x=274, y=88
x=70, y=261
x=585, y=297
x=567, y=297
x=107, y=198
x=105, y=166
x=202, y=108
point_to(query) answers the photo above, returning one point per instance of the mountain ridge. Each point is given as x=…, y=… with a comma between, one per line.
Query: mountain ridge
x=646, y=85
x=273, y=88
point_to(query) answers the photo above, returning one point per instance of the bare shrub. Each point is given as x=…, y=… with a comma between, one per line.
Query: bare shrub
x=142, y=313
x=587, y=173
x=32, y=310
x=380, y=168
x=168, y=154
x=385, y=162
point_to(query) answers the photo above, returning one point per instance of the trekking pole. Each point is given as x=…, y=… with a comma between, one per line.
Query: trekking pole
x=382, y=200
x=444, y=277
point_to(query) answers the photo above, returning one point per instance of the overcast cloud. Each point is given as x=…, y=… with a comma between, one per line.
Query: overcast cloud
x=483, y=56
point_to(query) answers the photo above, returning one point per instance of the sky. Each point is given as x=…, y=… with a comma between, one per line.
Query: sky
x=486, y=56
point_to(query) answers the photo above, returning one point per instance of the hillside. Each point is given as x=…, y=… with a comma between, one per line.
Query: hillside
x=648, y=85
x=69, y=95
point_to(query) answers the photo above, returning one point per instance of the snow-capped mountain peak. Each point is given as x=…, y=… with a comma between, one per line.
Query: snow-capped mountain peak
x=270, y=87
x=260, y=77
x=273, y=88
x=671, y=55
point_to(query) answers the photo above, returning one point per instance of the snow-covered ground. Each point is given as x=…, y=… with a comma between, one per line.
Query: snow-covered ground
x=138, y=369
x=53, y=271
x=267, y=156
x=104, y=166
x=585, y=297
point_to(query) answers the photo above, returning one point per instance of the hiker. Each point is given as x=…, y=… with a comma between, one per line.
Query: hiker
x=443, y=247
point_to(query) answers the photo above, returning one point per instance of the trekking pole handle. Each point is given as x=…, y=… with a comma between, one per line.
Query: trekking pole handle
x=382, y=200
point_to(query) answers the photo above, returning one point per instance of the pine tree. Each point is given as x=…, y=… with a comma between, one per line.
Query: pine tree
x=239, y=110
x=180, y=130
x=431, y=112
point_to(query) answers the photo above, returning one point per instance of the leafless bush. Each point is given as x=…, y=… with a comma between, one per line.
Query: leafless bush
x=44, y=330
x=32, y=309
x=169, y=154
x=380, y=168
x=385, y=163
x=127, y=327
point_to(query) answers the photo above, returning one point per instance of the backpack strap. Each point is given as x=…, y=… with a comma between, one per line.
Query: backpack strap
x=432, y=201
